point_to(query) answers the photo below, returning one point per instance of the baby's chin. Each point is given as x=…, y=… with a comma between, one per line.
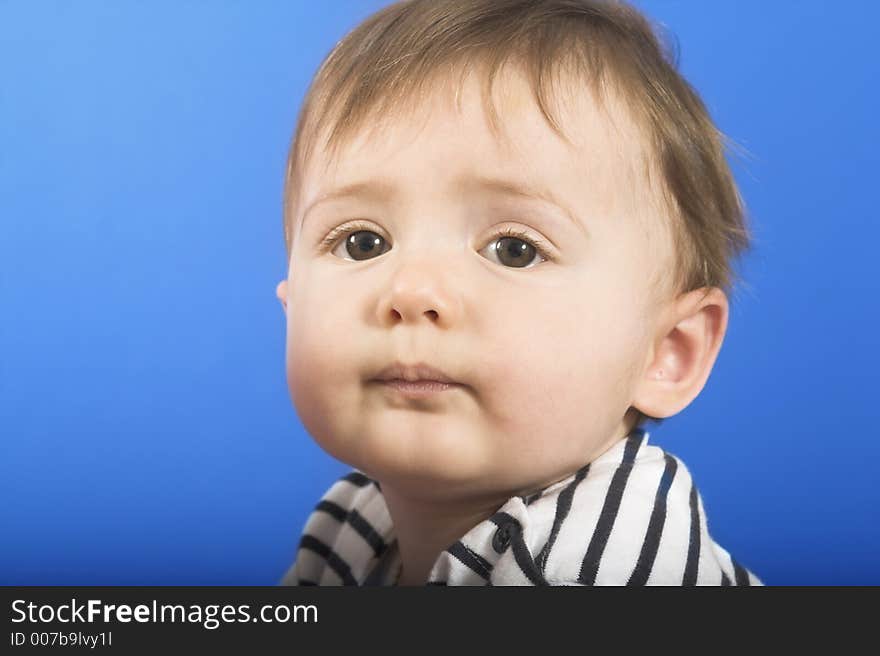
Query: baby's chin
x=435, y=459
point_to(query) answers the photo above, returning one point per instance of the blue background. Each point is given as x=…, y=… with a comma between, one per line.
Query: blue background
x=147, y=433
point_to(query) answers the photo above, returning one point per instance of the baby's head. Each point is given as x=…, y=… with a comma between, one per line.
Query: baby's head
x=525, y=195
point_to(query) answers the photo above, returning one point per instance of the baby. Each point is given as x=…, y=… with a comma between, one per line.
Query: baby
x=510, y=227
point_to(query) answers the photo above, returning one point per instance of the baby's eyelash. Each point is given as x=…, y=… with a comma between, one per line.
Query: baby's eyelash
x=539, y=244
x=337, y=233
x=508, y=231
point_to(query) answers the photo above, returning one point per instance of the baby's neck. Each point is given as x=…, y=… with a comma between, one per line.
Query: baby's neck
x=424, y=528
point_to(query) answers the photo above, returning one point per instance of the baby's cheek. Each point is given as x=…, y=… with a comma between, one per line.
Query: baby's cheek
x=560, y=371
x=316, y=376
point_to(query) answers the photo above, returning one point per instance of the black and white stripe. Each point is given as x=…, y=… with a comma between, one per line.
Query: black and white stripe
x=592, y=559
x=651, y=543
x=563, y=506
x=693, y=554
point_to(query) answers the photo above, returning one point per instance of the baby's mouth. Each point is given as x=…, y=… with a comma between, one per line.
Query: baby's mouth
x=413, y=373
x=416, y=389
x=418, y=380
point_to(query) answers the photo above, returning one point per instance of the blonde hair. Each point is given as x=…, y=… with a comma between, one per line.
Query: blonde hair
x=395, y=55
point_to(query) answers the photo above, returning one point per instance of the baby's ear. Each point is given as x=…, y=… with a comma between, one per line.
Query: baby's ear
x=281, y=293
x=685, y=347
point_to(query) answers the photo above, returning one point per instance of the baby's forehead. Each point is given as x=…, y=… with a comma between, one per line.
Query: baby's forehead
x=507, y=109
x=577, y=139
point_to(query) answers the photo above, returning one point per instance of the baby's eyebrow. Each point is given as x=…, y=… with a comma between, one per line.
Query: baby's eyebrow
x=384, y=189
x=378, y=189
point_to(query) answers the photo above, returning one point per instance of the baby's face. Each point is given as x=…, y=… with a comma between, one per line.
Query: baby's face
x=547, y=348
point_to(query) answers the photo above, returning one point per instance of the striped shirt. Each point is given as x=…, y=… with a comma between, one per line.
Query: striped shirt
x=633, y=516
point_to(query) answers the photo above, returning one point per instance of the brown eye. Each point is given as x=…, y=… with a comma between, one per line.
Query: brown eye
x=364, y=244
x=514, y=252
x=511, y=247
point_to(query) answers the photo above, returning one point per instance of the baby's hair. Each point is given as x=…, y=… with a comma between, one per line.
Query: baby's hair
x=390, y=63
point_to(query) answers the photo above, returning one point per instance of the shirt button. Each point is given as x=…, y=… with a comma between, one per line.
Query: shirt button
x=502, y=537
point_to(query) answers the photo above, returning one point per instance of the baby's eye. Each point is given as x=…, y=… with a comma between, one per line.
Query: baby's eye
x=362, y=245
x=516, y=249
x=509, y=247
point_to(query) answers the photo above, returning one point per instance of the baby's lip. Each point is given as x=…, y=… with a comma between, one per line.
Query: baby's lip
x=413, y=372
